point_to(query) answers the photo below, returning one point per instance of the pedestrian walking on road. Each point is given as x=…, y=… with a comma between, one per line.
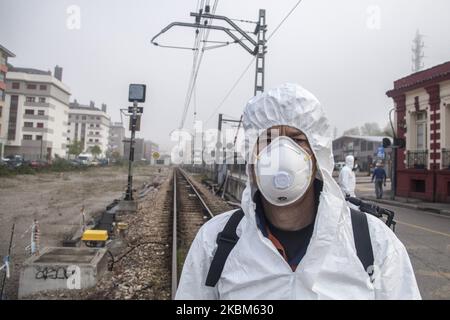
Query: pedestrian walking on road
x=379, y=175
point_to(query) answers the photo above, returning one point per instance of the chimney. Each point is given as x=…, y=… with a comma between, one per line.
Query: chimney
x=58, y=73
x=104, y=107
x=92, y=104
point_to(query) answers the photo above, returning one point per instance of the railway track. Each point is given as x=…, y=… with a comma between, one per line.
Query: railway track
x=190, y=212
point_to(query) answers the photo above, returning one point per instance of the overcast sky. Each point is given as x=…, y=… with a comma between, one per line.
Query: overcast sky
x=342, y=51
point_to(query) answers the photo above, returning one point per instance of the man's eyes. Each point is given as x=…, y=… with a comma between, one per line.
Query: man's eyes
x=268, y=140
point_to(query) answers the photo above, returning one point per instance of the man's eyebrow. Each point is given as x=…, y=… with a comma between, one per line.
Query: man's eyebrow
x=299, y=136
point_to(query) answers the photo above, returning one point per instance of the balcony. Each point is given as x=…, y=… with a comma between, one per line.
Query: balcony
x=95, y=136
x=37, y=104
x=37, y=130
x=417, y=159
x=37, y=117
x=36, y=144
x=446, y=159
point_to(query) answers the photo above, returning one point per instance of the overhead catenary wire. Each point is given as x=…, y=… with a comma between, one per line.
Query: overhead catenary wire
x=196, y=69
x=284, y=19
x=231, y=89
x=198, y=37
x=248, y=66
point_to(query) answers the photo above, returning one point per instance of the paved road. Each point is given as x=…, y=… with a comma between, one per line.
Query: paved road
x=427, y=239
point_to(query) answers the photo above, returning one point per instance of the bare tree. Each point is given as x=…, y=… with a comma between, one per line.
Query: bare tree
x=387, y=131
x=352, y=132
x=371, y=129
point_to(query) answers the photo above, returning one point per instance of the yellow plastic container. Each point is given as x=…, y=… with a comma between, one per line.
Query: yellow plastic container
x=95, y=235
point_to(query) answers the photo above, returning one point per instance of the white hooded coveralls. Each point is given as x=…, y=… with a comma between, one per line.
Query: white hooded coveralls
x=347, y=179
x=330, y=268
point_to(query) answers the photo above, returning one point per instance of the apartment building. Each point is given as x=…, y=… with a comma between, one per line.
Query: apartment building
x=149, y=148
x=90, y=126
x=4, y=55
x=365, y=149
x=37, y=109
x=116, y=138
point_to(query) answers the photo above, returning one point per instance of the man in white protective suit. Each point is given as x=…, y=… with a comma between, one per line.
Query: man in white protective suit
x=295, y=236
x=347, y=179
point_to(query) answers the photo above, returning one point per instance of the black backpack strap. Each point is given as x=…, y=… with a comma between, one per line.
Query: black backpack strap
x=226, y=240
x=362, y=239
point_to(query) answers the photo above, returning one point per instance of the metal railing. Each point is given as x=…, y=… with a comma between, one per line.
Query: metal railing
x=417, y=159
x=446, y=159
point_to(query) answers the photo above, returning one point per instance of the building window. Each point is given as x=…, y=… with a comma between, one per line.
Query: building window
x=13, y=107
x=97, y=125
x=90, y=140
x=2, y=95
x=16, y=85
x=31, y=86
x=29, y=111
x=27, y=137
x=77, y=117
x=68, y=131
x=41, y=99
x=39, y=138
x=28, y=124
x=91, y=117
x=39, y=125
x=31, y=99
x=42, y=87
x=68, y=124
x=41, y=113
x=91, y=125
x=83, y=118
x=421, y=131
x=96, y=140
x=2, y=76
x=98, y=118
x=97, y=133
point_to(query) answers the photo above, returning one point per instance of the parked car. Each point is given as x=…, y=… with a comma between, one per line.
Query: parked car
x=75, y=163
x=338, y=166
x=37, y=164
x=14, y=161
x=84, y=160
x=104, y=162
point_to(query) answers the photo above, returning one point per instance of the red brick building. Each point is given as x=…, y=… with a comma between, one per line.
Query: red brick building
x=422, y=104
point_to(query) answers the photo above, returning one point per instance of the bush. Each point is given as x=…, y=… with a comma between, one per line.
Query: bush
x=62, y=165
x=5, y=171
x=25, y=169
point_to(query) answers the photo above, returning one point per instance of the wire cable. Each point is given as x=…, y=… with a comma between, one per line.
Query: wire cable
x=195, y=75
x=248, y=66
x=284, y=19
x=231, y=89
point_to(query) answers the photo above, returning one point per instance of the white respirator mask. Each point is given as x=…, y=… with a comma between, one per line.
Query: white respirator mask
x=283, y=171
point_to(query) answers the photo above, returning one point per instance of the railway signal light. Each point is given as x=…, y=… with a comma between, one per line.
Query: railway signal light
x=137, y=92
